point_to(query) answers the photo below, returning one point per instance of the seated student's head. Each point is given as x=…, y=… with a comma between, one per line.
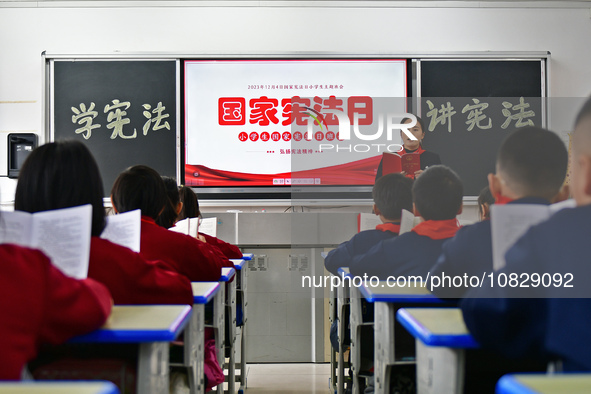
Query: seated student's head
x=58, y=175
x=485, y=200
x=531, y=162
x=173, y=206
x=139, y=187
x=580, y=178
x=437, y=194
x=190, y=207
x=391, y=194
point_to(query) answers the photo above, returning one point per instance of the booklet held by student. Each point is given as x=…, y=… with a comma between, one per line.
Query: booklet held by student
x=367, y=221
x=124, y=229
x=509, y=222
x=193, y=226
x=395, y=163
x=62, y=234
x=407, y=221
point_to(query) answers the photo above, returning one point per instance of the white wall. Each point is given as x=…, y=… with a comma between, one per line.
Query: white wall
x=77, y=27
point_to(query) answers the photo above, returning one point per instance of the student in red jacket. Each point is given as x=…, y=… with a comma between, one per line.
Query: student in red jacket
x=190, y=209
x=40, y=305
x=170, y=215
x=141, y=187
x=64, y=174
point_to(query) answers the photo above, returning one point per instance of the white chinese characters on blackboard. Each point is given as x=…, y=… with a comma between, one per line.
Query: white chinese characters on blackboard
x=117, y=119
x=476, y=117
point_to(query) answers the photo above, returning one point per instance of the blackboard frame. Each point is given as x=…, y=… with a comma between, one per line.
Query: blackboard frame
x=171, y=63
x=421, y=92
x=274, y=198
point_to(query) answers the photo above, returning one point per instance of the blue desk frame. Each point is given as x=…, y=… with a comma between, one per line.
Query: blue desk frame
x=440, y=353
x=242, y=278
x=153, y=360
x=229, y=290
x=387, y=300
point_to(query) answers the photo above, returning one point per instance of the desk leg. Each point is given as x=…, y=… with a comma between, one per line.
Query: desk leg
x=383, y=346
x=243, y=280
x=439, y=369
x=232, y=316
x=194, y=351
x=333, y=305
x=356, y=320
x=342, y=302
x=153, y=368
x=219, y=327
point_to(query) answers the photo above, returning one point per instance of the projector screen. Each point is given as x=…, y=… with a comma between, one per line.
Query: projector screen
x=271, y=122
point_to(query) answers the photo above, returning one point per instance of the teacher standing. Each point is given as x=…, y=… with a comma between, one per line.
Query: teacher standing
x=428, y=158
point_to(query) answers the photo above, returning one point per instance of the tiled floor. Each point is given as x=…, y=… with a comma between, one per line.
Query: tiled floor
x=288, y=378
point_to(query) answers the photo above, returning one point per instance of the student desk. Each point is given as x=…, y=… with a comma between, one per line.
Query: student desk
x=219, y=316
x=194, y=355
x=441, y=339
x=578, y=383
x=388, y=299
x=247, y=256
x=58, y=388
x=150, y=326
x=239, y=264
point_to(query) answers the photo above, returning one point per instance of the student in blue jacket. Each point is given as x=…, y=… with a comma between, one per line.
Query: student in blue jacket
x=554, y=321
x=531, y=167
x=391, y=194
x=437, y=198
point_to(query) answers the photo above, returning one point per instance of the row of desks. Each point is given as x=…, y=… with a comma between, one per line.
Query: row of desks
x=441, y=338
x=153, y=327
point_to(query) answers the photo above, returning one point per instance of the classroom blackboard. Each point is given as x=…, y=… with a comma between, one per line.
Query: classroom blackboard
x=470, y=106
x=124, y=111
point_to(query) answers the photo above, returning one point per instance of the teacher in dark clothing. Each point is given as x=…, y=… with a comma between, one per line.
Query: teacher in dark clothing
x=428, y=158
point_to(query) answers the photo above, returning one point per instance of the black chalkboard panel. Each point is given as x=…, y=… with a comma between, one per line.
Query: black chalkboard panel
x=124, y=111
x=469, y=107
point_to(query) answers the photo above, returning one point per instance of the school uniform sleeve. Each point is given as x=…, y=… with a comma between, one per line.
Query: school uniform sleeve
x=184, y=254
x=131, y=279
x=339, y=257
x=467, y=254
x=207, y=262
x=373, y=263
x=228, y=250
x=72, y=307
x=498, y=319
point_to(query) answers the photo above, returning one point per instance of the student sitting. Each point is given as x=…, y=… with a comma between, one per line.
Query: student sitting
x=190, y=209
x=437, y=198
x=531, y=166
x=552, y=322
x=391, y=194
x=140, y=187
x=40, y=305
x=169, y=216
x=64, y=174
x=485, y=200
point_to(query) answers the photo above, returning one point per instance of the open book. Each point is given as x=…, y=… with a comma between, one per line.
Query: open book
x=193, y=226
x=509, y=222
x=395, y=163
x=407, y=221
x=62, y=234
x=124, y=229
x=367, y=221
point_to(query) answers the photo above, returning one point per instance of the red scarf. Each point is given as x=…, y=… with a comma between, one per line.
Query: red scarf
x=502, y=200
x=403, y=151
x=437, y=229
x=392, y=227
